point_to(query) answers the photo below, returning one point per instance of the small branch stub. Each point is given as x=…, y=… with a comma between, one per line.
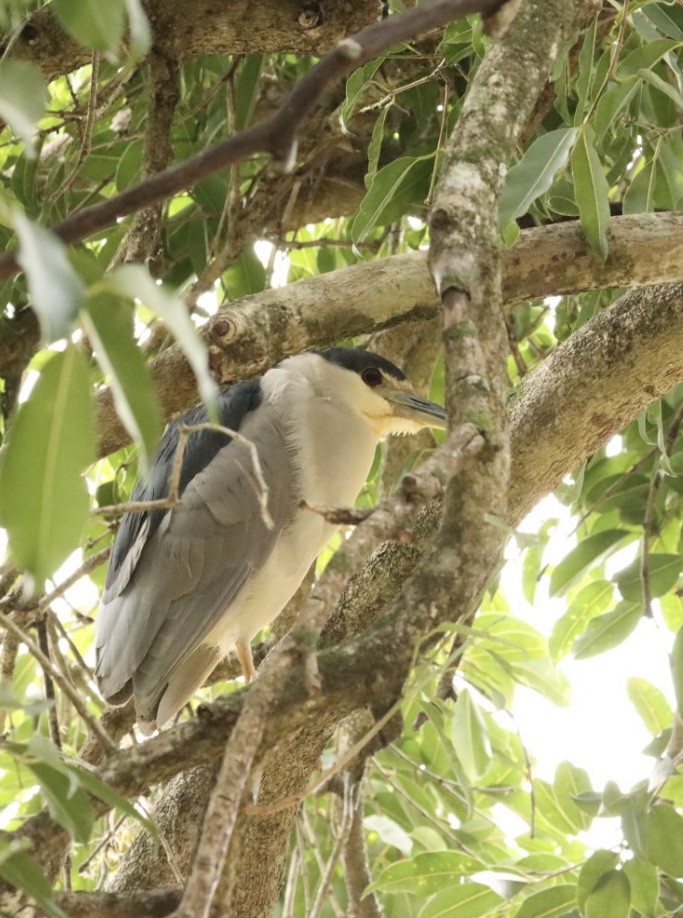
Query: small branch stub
x=311, y=16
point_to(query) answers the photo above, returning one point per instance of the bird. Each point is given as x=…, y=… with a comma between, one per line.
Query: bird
x=189, y=582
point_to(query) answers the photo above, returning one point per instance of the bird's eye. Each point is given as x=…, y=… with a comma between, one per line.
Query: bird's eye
x=371, y=377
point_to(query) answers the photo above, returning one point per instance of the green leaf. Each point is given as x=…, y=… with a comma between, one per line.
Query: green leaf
x=559, y=810
x=650, y=703
x=663, y=569
x=589, y=802
x=470, y=736
x=645, y=57
x=391, y=185
x=424, y=874
x=102, y=791
x=589, y=602
x=531, y=571
x=549, y=903
x=67, y=802
x=666, y=24
x=570, y=782
x=612, y=102
x=597, y=865
x=649, y=76
x=70, y=808
x=9, y=701
x=247, y=86
x=23, y=96
x=375, y=147
x=43, y=496
x=677, y=668
x=606, y=631
x=468, y=901
x=640, y=195
x=22, y=872
x=534, y=173
x=56, y=290
x=356, y=85
x=586, y=553
x=591, y=190
x=664, y=839
x=644, y=886
x=611, y=897
x=245, y=275
x=108, y=323
x=586, y=71
x=92, y=23
x=129, y=165
x=136, y=282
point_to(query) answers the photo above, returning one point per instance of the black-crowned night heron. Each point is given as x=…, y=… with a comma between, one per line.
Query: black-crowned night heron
x=185, y=585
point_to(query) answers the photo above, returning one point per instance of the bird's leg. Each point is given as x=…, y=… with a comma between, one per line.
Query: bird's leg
x=246, y=660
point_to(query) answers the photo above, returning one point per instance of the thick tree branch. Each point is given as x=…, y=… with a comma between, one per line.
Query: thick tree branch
x=277, y=135
x=252, y=334
x=143, y=904
x=638, y=339
x=256, y=332
x=19, y=339
x=183, y=31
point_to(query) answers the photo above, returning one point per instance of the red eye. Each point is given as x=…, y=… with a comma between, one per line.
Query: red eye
x=371, y=377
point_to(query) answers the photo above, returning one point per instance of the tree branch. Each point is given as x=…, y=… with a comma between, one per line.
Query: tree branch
x=145, y=903
x=183, y=31
x=276, y=136
x=231, y=783
x=254, y=333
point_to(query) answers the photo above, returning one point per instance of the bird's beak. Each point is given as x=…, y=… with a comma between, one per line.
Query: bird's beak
x=408, y=405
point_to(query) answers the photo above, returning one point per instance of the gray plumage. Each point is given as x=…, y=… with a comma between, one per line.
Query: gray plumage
x=186, y=585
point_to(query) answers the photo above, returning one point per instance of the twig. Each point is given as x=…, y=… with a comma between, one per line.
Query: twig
x=90, y=564
x=231, y=784
x=339, y=516
x=86, y=142
x=648, y=521
x=85, y=866
x=173, y=499
x=323, y=242
x=141, y=241
x=57, y=630
x=356, y=870
x=275, y=136
x=64, y=684
x=339, y=846
x=262, y=491
x=53, y=722
x=10, y=647
x=137, y=506
x=227, y=244
x=290, y=885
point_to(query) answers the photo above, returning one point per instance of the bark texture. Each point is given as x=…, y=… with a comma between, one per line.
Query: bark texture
x=184, y=30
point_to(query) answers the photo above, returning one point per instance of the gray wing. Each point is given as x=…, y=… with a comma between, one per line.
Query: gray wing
x=172, y=586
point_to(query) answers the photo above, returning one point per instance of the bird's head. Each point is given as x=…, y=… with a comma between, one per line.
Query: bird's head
x=378, y=390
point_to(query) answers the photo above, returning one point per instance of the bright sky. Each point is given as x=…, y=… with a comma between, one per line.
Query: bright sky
x=601, y=730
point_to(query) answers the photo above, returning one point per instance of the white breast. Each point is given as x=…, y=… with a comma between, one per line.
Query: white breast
x=332, y=460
